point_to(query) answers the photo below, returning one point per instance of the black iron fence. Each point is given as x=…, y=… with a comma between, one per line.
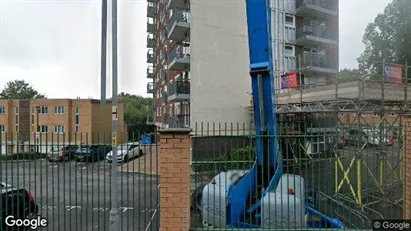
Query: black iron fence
x=65, y=180
x=345, y=173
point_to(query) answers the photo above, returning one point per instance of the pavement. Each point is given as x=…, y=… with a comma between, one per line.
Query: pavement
x=147, y=164
x=75, y=196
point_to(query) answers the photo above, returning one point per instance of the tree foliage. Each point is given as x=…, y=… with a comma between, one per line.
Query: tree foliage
x=347, y=73
x=387, y=39
x=19, y=89
x=135, y=114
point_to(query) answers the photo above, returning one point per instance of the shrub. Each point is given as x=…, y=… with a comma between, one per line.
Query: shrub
x=23, y=156
x=240, y=158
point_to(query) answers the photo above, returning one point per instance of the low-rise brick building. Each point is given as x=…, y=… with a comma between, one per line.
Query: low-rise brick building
x=43, y=123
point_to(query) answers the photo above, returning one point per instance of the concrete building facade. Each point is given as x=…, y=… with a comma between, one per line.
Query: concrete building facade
x=199, y=66
x=198, y=56
x=27, y=124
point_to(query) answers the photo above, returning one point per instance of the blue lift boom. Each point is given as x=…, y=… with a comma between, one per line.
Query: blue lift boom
x=263, y=197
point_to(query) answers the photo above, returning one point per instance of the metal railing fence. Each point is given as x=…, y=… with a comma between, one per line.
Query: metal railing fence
x=65, y=179
x=337, y=170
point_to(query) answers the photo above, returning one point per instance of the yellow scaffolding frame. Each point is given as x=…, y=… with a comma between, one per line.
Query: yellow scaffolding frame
x=356, y=184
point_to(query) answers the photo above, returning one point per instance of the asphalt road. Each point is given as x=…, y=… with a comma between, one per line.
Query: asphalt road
x=75, y=196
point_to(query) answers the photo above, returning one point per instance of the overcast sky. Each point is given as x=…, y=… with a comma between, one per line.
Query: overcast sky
x=55, y=44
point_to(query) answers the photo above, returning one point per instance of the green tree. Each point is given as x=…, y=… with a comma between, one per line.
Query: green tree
x=349, y=74
x=19, y=89
x=387, y=39
x=135, y=114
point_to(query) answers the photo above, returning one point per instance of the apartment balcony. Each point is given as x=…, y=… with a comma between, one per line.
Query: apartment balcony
x=151, y=10
x=318, y=8
x=151, y=41
x=182, y=4
x=179, y=58
x=164, y=98
x=179, y=26
x=150, y=56
x=151, y=104
x=150, y=72
x=317, y=64
x=151, y=89
x=151, y=119
x=179, y=90
x=316, y=36
x=151, y=26
x=179, y=121
x=163, y=75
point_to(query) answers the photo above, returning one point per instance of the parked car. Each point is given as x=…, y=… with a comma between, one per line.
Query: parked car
x=126, y=152
x=62, y=153
x=17, y=202
x=91, y=153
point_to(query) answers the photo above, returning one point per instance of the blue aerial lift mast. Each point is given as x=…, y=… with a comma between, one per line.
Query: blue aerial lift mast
x=262, y=197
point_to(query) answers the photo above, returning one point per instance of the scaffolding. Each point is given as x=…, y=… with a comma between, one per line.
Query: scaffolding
x=367, y=180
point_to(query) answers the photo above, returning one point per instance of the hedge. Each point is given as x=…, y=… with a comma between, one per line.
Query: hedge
x=23, y=156
x=241, y=158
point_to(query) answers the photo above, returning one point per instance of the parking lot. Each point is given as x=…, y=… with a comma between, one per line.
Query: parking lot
x=76, y=195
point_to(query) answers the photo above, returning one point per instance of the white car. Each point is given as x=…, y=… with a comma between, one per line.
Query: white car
x=126, y=152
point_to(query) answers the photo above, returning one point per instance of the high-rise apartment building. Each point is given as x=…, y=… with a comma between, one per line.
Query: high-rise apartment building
x=199, y=62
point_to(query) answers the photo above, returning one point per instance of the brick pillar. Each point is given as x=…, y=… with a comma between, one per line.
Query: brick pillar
x=174, y=166
x=407, y=169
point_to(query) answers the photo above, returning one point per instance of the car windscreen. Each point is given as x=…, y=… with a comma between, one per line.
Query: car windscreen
x=56, y=148
x=123, y=147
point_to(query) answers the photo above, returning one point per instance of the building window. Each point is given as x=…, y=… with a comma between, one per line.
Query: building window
x=43, y=128
x=2, y=128
x=289, y=50
x=32, y=119
x=59, y=110
x=77, y=128
x=77, y=110
x=17, y=119
x=59, y=129
x=17, y=127
x=290, y=20
x=43, y=110
x=16, y=110
x=2, y=110
x=318, y=144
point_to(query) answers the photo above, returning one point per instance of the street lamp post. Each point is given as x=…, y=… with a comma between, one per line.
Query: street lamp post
x=37, y=128
x=114, y=212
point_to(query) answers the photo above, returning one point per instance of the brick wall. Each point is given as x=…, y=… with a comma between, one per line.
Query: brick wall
x=174, y=180
x=407, y=170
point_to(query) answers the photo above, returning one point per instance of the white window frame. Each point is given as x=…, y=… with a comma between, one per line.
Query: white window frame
x=43, y=110
x=42, y=129
x=285, y=21
x=2, y=110
x=292, y=48
x=59, y=110
x=59, y=129
x=316, y=142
